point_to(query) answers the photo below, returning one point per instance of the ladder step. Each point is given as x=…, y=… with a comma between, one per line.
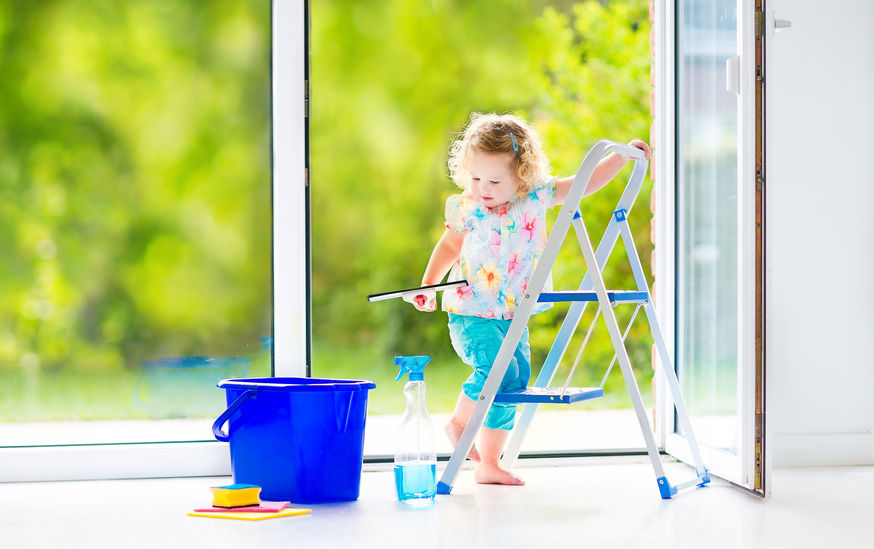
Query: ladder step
x=615, y=296
x=552, y=395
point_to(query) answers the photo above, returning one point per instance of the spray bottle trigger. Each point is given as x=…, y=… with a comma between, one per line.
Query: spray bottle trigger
x=415, y=365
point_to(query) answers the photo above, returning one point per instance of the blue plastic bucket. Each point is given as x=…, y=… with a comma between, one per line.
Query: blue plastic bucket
x=300, y=439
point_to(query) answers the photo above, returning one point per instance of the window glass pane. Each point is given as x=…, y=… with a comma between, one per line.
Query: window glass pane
x=392, y=83
x=707, y=219
x=136, y=226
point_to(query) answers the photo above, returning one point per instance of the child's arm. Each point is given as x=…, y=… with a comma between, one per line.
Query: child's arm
x=604, y=172
x=442, y=258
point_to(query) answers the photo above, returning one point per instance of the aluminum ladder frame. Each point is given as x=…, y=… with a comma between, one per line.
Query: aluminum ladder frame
x=593, y=280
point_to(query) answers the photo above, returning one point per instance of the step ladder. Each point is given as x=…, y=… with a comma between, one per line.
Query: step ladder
x=592, y=289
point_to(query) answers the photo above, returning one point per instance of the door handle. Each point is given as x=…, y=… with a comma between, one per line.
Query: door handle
x=777, y=25
x=732, y=74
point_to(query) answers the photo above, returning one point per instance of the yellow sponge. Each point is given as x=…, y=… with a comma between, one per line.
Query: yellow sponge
x=236, y=495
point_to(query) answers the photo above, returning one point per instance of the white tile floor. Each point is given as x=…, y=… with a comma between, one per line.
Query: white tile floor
x=593, y=503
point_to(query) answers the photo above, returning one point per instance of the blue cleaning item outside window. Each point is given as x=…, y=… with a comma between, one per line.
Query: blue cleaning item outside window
x=415, y=450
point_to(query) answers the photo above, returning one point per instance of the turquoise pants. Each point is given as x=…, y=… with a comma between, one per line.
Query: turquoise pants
x=477, y=341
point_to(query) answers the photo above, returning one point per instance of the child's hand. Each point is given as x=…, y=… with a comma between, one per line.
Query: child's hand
x=640, y=144
x=425, y=301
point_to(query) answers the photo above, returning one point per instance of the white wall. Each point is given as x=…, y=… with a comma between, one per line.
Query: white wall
x=820, y=233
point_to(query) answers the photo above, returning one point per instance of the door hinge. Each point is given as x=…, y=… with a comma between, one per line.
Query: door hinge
x=757, y=477
x=760, y=24
x=759, y=451
x=306, y=177
x=306, y=98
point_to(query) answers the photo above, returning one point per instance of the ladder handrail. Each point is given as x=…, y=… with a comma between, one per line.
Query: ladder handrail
x=595, y=154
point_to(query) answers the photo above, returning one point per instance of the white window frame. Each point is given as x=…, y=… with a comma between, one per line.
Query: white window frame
x=739, y=468
x=664, y=145
x=190, y=459
x=290, y=193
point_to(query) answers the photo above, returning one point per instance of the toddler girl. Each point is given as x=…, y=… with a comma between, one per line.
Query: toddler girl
x=495, y=232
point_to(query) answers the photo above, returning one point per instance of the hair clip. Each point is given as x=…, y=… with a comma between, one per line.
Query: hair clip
x=515, y=146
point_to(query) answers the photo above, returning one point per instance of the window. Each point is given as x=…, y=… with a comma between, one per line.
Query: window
x=135, y=172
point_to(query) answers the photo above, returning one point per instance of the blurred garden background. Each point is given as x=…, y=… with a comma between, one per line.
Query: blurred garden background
x=136, y=186
x=135, y=212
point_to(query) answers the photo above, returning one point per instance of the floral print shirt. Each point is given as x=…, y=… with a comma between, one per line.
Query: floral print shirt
x=500, y=250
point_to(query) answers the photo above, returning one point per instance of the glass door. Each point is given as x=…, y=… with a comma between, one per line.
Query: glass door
x=709, y=283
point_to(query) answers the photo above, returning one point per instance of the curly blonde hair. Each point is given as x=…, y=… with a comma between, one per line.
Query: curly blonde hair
x=491, y=133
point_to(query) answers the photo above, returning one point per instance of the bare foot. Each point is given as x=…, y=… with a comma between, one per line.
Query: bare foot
x=454, y=431
x=493, y=474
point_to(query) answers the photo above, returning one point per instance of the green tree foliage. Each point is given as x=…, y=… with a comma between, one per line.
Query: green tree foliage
x=392, y=83
x=134, y=182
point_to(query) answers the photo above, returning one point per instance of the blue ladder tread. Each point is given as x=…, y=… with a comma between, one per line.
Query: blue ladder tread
x=551, y=395
x=624, y=296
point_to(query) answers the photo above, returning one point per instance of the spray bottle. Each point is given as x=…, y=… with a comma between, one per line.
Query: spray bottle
x=416, y=452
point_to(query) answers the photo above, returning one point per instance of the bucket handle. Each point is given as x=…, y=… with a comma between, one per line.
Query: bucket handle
x=226, y=415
